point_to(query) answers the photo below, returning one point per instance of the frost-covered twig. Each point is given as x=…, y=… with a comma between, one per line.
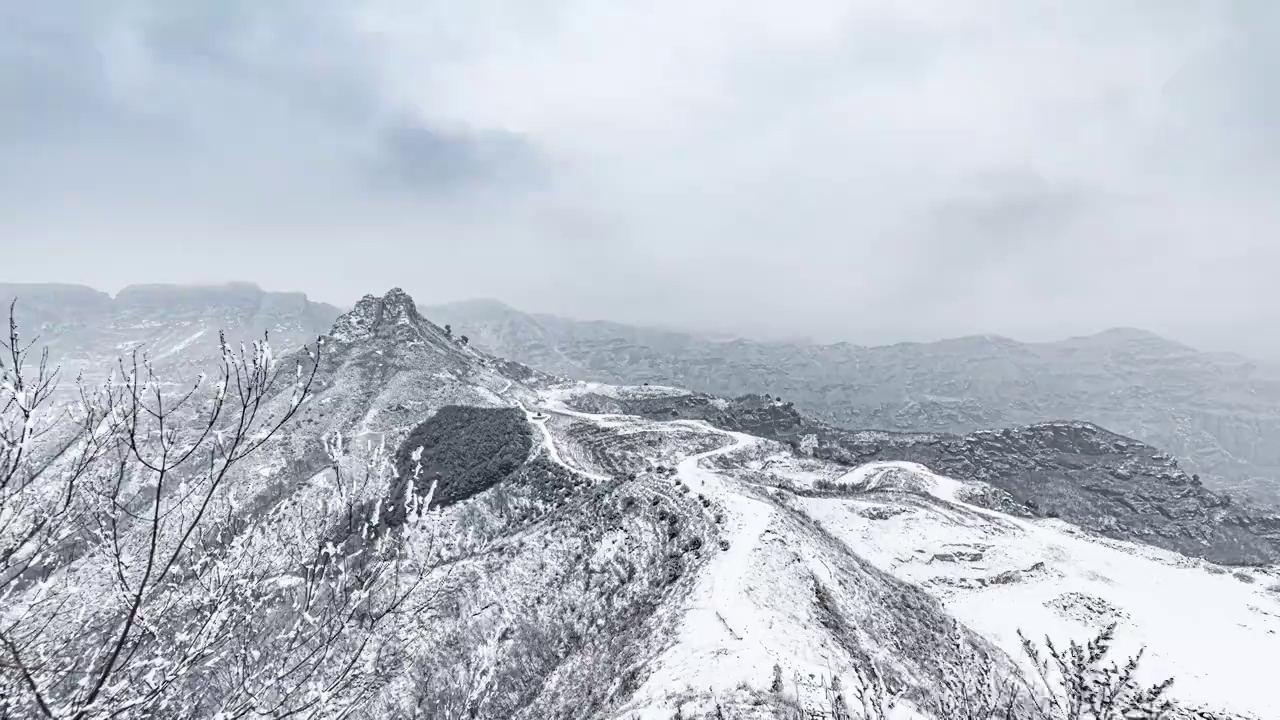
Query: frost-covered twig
x=120, y=582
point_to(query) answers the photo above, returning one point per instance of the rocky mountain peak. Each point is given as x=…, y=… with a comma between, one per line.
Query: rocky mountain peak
x=361, y=321
x=374, y=315
x=397, y=304
x=393, y=322
x=386, y=367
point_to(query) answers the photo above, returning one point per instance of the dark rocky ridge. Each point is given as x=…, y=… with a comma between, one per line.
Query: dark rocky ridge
x=1219, y=413
x=1098, y=480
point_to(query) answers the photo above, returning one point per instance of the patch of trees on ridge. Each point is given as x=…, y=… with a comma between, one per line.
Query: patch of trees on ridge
x=465, y=451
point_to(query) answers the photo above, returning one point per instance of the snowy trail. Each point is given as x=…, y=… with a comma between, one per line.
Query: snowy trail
x=728, y=628
x=548, y=443
x=750, y=518
x=602, y=419
x=742, y=614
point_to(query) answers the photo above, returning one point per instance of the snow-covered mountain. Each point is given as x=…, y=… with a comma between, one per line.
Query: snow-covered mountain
x=1219, y=413
x=1106, y=483
x=177, y=325
x=802, y=537
x=595, y=551
x=603, y=576
x=1207, y=626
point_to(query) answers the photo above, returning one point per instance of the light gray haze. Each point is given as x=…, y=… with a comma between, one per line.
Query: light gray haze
x=865, y=170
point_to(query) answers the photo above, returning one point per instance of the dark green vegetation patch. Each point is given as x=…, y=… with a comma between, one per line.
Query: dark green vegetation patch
x=466, y=450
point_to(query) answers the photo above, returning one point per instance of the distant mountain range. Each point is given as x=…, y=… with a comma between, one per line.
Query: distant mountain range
x=177, y=325
x=1218, y=413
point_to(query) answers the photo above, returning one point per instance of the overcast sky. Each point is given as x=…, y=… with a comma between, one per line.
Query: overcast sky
x=864, y=170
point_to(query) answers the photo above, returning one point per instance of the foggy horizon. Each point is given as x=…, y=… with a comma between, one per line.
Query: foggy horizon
x=757, y=335
x=860, y=172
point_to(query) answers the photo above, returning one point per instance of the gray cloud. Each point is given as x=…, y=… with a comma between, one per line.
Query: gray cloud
x=865, y=171
x=1013, y=208
x=421, y=158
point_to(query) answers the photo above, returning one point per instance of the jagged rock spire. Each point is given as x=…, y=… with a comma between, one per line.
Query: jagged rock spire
x=394, y=316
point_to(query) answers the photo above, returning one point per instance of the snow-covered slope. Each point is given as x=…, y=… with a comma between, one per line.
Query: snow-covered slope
x=1210, y=629
x=760, y=585
x=1095, y=479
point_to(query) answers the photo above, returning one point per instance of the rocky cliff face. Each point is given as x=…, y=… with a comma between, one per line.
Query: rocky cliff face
x=1218, y=413
x=1098, y=480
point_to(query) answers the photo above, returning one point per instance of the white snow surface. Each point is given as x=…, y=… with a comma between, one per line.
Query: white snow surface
x=1216, y=634
x=743, y=615
x=184, y=344
x=751, y=606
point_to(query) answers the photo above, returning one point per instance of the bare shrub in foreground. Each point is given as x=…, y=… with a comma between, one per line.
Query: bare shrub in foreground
x=144, y=573
x=1073, y=683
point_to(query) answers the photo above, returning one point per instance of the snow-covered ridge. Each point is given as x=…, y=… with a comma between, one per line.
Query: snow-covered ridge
x=1211, y=629
x=902, y=477
x=1216, y=412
